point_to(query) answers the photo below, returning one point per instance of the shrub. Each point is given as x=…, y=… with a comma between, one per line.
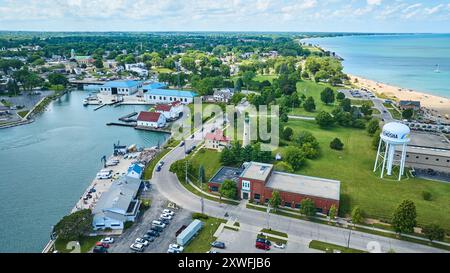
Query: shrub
x=426, y=195
x=336, y=144
x=197, y=215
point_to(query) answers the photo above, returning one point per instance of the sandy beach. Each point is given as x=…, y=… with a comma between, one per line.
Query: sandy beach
x=437, y=105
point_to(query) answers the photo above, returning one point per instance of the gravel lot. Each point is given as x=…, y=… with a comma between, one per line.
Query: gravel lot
x=140, y=227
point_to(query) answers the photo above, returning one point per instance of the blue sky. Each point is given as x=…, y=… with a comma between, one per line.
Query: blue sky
x=226, y=15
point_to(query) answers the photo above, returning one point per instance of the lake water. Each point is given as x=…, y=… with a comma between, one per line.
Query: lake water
x=407, y=61
x=46, y=166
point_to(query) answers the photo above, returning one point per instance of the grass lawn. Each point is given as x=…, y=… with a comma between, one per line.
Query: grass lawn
x=312, y=89
x=359, y=185
x=328, y=248
x=274, y=232
x=210, y=159
x=261, y=78
x=162, y=70
x=361, y=102
x=202, y=243
x=272, y=239
x=22, y=113
x=149, y=170
x=395, y=114
x=86, y=244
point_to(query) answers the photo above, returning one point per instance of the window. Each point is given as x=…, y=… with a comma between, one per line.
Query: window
x=214, y=188
x=417, y=157
x=257, y=196
x=266, y=201
x=426, y=158
x=437, y=159
x=297, y=206
x=287, y=204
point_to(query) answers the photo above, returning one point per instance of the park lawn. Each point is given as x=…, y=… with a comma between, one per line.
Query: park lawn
x=210, y=159
x=162, y=70
x=23, y=113
x=358, y=102
x=395, y=114
x=86, y=244
x=313, y=49
x=261, y=78
x=202, y=242
x=312, y=89
x=328, y=248
x=361, y=187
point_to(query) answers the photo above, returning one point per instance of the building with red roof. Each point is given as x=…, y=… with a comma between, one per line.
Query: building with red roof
x=216, y=140
x=171, y=111
x=151, y=119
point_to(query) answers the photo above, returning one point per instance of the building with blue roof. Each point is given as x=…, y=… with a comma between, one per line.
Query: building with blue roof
x=157, y=96
x=154, y=85
x=135, y=170
x=121, y=87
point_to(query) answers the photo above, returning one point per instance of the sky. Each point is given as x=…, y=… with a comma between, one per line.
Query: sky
x=227, y=15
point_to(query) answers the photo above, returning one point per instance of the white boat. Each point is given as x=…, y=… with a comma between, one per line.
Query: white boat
x=437, y=69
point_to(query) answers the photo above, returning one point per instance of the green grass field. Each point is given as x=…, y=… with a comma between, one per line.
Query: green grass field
x=359, y=185
x=329, y=248
x=311, y=89
x=261, y=78
x=202, y=242
x=86, y=244
x=210, y=160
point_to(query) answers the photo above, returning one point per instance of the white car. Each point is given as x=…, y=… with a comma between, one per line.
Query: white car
x=166, y=216
x=137, y=247
x=141, y=241
x=176, y=247
x=171, y=250
x=168, y=211
x=107, y=240
x=279, y=245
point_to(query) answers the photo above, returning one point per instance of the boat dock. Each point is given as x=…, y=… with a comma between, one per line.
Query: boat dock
x=121, y=124
x=100, y=106
x=160, y=130
x=128, y=118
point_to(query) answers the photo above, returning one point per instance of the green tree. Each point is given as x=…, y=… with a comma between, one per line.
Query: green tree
x=336, y=144
x=58, y=79
x=75, y=225
x=307, y=207
x=327, y=95
x=346, y=105
x=324, y=119
x=238, y=85
x=340, y=96
x=366, y=109
x=275, y=200
x=98, y=63
x=227, y=157
x=408, y=114
x=294, y=157
x=228, y=189
x=283, y=167
x=287, y=133
x=12, y=87
x=373, y=126
x=309, y=104
x=357, y=215
x=247, y=77
x=404, y=217
x=434, y=232
x=332, y=212
x=201, y=174
x=376, y=139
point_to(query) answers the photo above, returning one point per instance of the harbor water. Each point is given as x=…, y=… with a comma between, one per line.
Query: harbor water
x=46, y=166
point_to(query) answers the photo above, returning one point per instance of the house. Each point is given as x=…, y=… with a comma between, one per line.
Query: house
x=126, y=88
x=84, y=60
x=409, y=104
x=157, y=96
x=258, y=181
x=135, y=170
x=170, y=111
x=138, y=68
x=151, y=120
x=220, y=95
x=117, y=205
x=216, y=140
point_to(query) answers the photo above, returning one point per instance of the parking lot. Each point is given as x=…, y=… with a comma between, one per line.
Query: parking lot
x=144, y=223
x=243, y=241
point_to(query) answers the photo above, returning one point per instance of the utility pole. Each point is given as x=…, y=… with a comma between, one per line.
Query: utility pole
x=348, y=241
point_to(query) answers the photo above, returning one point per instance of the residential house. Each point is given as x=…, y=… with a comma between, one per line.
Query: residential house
x=409, y=104
x=216, y=140
x=151, y=120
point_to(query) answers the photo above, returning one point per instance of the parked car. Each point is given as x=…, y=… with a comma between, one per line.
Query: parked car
x=218, y=244
x=105, y=245
x=158, y=168
x=165, y=221
x=168, y=211
x=166, y=216
x=142, y=241
x=99, y=249
x=264, y=241
x=157, y=229
x=161, y=163
x=171, y=250
x=211, y=251
x=153, y=233
x=107, y=240
x=181, y=143
x=148, y=237
x=157, y=223
x=262, y=246
x=176, y=247
x=279, y=245
x=137, y=247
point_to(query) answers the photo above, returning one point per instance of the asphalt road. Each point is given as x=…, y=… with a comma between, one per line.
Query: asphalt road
x=168, y=185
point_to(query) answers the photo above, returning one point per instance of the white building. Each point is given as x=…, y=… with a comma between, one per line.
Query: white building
x=151, y=120
x=157, y=96
x=170, y=111
x=138, y=68
x=126, y=88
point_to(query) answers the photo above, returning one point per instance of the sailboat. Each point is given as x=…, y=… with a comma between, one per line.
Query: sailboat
x=437, y=69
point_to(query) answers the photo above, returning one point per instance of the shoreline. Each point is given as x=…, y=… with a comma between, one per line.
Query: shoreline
x=436, y=104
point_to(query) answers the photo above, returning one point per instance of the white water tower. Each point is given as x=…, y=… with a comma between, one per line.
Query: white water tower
x=394, y=137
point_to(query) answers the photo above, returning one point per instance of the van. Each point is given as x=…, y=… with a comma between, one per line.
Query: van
x=158, y=224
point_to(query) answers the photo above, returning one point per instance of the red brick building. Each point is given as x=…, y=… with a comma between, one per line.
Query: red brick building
x=258, y=180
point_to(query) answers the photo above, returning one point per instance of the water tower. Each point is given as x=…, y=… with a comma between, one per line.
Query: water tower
x=394, y=137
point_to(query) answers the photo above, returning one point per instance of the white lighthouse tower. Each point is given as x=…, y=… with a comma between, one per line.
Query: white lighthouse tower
x=394, y=137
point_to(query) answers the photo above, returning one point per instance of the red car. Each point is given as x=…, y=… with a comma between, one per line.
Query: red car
x=262, y=246
x=105, y=245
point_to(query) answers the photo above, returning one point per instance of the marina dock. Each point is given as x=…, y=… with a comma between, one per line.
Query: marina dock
x=121, y=124
x=160, y=130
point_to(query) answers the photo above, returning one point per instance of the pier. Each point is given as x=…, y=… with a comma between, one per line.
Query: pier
x=160, y=130
x=121, y=124
x=128, y=118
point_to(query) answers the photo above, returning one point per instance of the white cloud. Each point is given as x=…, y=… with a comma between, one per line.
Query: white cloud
x=374, y=2
x=434, y=9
